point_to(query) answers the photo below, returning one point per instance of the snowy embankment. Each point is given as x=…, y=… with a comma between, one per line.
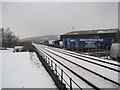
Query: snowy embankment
x=24, y=70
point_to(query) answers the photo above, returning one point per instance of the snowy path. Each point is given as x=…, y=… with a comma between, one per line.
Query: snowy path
x=24, y=70
x=96, y=80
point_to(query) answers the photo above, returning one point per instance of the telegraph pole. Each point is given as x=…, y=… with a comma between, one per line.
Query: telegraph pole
x=73, y=28
x=2, y=36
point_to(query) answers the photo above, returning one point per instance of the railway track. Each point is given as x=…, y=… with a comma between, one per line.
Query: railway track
x=106, y=62
x=80, y=77
x=86, y=68
x=110, y=66
x=78, y=69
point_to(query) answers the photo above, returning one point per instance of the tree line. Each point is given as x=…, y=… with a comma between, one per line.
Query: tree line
x=9, y=39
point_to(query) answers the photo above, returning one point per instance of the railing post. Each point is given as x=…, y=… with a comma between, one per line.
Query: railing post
x=48, y=61
x=70, y=83
x=56, y=68
x=45, y=58
x=51, y=64
x=61, y=75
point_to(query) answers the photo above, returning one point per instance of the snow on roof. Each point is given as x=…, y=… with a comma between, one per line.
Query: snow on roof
x=107, y=31
x=75, y=33
x=92, y=31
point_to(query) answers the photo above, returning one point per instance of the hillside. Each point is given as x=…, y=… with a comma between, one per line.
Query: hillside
x=41, y=38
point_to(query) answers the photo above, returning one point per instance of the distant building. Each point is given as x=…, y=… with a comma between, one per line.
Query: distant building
x=90, y=39
x=103, y=33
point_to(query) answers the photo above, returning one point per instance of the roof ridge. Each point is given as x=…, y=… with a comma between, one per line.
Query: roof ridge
x=93, y=31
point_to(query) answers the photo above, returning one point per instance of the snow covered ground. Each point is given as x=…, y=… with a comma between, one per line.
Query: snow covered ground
x=23, y=70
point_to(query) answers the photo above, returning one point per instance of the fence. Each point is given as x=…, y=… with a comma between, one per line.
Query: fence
x=63, y=76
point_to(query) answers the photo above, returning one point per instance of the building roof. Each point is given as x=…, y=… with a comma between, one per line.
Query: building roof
x=101, y=31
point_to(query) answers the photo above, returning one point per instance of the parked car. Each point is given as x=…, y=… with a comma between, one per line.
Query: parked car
x=115, y=51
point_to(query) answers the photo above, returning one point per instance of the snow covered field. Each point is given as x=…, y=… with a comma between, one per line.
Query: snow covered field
x=23, y=70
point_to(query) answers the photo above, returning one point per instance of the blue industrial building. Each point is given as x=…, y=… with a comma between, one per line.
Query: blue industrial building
x=90, y=39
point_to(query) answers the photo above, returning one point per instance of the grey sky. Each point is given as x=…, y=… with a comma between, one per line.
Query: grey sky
x=38, y=18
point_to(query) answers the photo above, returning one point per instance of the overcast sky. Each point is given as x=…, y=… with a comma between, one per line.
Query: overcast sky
x=29, y=19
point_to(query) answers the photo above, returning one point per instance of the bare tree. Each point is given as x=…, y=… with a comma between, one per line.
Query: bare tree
x=8, y=38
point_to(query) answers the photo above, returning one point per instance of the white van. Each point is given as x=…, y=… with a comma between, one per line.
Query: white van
x=115, y=51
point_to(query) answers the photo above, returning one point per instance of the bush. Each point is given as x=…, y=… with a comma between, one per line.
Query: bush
x=27, y=46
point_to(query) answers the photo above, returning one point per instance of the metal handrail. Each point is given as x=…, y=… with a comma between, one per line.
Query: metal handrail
x=48, y=60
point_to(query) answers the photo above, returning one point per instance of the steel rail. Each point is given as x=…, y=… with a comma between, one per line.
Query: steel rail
x=87, y=69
